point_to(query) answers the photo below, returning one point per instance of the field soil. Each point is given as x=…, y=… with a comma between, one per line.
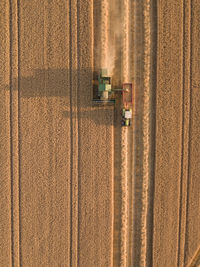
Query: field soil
x=77, y=188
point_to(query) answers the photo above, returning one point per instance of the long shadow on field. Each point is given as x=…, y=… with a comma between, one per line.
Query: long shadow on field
x=73, y=88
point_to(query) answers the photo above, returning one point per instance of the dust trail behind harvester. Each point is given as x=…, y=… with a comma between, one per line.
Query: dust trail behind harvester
x=126, y=41
x=104, y=33
x=108, y=49
x=125, y=139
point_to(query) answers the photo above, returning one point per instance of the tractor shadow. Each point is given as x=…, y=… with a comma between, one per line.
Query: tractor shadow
x=74, y=88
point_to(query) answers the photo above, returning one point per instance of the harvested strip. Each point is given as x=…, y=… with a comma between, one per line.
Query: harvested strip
x=125, y=142
x=124, y=189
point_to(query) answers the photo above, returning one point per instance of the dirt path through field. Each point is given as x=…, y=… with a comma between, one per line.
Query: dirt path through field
x=125, y=139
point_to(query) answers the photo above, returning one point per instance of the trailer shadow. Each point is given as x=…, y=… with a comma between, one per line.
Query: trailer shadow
x=74, y=87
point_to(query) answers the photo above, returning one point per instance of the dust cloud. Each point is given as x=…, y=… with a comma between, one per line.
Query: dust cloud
x=111, y=34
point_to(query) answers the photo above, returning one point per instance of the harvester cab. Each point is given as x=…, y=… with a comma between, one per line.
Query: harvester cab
x=127, y=101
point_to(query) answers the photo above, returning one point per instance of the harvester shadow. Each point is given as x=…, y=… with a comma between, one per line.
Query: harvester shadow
x=73, y=88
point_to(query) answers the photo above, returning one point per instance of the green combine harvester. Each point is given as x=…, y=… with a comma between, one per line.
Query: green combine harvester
x=105, y=95
x=104, y=88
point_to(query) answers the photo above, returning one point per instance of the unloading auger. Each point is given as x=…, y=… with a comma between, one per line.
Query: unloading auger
x=106, y=95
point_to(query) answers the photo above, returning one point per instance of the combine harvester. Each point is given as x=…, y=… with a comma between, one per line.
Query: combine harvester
x=105, y=92
x=106, y=95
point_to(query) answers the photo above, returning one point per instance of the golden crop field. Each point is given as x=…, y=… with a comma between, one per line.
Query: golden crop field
x=81, y=182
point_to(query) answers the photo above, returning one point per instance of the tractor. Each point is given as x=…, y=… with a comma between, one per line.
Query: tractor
x=127, y=101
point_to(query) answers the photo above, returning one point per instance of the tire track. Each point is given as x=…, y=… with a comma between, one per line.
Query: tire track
x=74, y=131
x=14, y=134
